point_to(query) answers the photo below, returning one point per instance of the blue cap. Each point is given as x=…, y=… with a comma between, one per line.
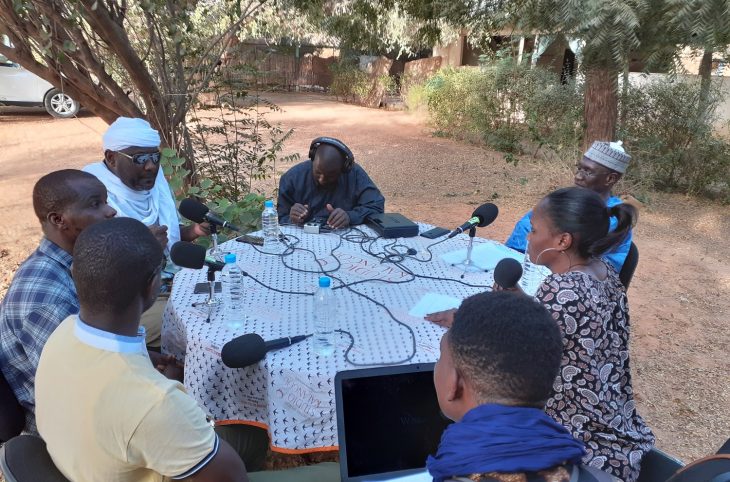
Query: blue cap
x=324, y=281
x=230, y=258
x=269, y=203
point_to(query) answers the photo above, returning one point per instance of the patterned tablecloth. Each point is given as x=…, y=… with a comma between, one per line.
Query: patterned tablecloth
x=291, y=392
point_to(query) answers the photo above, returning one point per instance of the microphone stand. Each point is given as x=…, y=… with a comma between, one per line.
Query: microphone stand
x=215, y=252
x=468, y=264
x=212, y=301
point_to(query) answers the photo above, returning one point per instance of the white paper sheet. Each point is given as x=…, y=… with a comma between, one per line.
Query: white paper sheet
x=433, y=302
x=484, y=255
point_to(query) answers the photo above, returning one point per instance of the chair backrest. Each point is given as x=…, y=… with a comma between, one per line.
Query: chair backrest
x=657, y=466
x=12, y=416
x=725, y=449
x=627, y=271
x=715, y=468
x=25, y=459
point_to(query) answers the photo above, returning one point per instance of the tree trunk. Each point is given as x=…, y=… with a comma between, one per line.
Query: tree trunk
x=600, y=110
x=705, y=82
x=381, y=67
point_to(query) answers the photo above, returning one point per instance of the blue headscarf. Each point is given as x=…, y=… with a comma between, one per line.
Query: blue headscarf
x=498, y=438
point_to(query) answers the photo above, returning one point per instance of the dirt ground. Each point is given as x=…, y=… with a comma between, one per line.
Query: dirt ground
x=679, y=298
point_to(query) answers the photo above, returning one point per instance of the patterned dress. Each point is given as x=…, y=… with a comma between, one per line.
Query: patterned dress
x=593, y=396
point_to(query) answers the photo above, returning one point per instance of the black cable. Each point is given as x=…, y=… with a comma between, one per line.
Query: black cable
x=377, y=303
x=387, y=310
x=390, y=253
x=399, y=263
x=277, y=289
x=425, y=276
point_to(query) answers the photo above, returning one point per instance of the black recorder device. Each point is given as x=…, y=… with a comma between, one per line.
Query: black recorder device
x=393, y=225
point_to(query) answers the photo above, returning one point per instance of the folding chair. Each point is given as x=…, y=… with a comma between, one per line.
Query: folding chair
x=657, y=466
x=25, y=459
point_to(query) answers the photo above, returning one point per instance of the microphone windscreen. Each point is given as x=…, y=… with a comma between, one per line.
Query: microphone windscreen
x=187, y=255
x=507, y=273
x=193, y=210
x=243, y=351
x=487, y=213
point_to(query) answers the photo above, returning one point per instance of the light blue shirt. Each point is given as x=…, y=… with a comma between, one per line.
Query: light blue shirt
x=518, y=239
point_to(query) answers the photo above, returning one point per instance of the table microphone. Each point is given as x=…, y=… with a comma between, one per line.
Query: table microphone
x=482, y=216
x=249, y=349
x=200, y=213
x=190, y=255
x=507, y=273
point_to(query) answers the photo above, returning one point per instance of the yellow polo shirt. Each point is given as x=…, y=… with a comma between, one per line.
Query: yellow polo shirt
x=107, y=415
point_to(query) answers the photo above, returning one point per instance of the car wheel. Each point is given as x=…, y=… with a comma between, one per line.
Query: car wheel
x=60, y=105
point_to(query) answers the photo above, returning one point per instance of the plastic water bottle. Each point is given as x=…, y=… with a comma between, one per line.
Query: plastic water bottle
x=270, y=226
x=532, y=275
x=324, y=310
x=233, y=314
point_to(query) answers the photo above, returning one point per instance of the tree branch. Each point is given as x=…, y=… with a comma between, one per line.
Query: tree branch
x=118, y=42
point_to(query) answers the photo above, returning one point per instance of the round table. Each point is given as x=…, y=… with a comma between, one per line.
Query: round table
x=291, y=391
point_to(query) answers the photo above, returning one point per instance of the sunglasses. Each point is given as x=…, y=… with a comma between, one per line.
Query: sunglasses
x=144, y=158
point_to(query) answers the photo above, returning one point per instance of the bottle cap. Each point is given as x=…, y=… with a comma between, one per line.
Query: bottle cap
x=230, y=258
x=324, y=281
x=268, y=203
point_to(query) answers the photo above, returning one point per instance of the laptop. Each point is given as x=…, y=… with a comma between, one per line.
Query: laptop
x=388, y=421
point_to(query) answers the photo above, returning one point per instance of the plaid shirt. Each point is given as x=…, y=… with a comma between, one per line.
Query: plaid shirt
x=40, y=297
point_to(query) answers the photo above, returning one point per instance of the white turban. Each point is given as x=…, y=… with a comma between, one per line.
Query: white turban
x=128, y=132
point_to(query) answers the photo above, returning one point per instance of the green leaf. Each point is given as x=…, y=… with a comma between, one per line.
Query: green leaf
x=206, y=184
x=177, y=161
x=175, y=184
x=223, y=204
x=169, y=152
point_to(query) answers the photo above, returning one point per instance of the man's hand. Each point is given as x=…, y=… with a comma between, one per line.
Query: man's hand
x=167, y=365
x=442, y=318
x=338, y=218
x=194, y=231
x=298, y=213
x=160, y=234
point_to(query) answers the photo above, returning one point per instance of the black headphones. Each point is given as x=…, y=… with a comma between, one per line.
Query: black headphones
x=339, y=145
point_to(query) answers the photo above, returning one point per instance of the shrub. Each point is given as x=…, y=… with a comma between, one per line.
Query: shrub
x=673, y=144
x=349, y=83
x=416, y=97
x=554, y=112
x=234, y=146
x=502, y=103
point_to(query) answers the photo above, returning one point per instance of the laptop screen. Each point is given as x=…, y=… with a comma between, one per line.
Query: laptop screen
x=392, y=422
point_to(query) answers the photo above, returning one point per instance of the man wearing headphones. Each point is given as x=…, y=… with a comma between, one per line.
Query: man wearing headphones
x=328, y=185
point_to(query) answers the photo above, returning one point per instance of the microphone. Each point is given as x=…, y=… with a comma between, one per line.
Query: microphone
x=189, y=255
x=482, y=216
x=199, y=213
x=507, y=273
x=249, y=349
